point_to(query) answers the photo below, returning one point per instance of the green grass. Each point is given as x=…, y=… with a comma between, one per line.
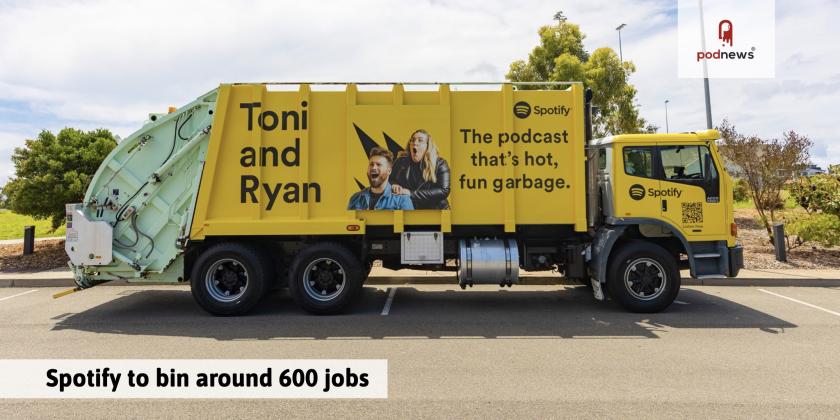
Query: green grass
x=790, y=203
x=11, y=226
x=746, y=204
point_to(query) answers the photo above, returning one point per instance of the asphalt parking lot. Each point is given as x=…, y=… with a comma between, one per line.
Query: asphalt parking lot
x=535, y=351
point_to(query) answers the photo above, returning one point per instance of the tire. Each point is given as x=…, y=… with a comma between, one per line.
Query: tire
x=368, y=268
x=325, y=277
x=643, y=277
x=230, y=278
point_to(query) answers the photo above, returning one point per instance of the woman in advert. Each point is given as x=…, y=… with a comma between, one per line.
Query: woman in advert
x=421, y=174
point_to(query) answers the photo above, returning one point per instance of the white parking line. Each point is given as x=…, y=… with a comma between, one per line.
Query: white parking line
x=389, y=301
x=19, y=294
x=679, y=302
x=801, y=302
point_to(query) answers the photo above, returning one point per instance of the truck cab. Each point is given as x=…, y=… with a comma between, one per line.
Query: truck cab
x=670, y=190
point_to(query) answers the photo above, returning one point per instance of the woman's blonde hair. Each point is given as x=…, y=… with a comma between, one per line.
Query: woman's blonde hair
x=429, y=158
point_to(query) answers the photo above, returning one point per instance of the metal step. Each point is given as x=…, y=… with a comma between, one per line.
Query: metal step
x=709, y=261
x=711, y=276
x=709, y=255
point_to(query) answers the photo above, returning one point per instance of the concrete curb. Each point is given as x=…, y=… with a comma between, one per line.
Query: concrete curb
x=552, y=280
x=20, y=240
x=804, y=282
x=424, y=280
x=59, y=282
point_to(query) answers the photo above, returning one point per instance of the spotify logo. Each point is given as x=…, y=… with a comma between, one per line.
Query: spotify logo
x=522, y=109
x=637, y=192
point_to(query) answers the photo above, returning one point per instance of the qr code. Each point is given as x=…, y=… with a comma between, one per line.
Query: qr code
x=692, y=212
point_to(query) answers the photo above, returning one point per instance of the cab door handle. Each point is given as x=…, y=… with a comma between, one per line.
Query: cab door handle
x=664, y=205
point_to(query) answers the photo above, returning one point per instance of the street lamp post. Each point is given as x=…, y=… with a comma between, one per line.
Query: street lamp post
x=705, y=69
x=667, y=130
x=620, y=53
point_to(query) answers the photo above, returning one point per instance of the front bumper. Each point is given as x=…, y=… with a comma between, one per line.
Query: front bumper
x=736, y=261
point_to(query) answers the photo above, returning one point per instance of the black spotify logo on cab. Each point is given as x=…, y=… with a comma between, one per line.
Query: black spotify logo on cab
x=522, y=109
x=637, y=192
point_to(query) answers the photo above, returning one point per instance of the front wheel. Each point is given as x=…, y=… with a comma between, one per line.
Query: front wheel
x=325, y=278
x=643, y=277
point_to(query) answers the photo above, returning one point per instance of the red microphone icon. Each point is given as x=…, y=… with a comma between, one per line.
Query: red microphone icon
x=725, y=32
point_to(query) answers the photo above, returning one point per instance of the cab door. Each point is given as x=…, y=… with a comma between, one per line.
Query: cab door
x=636, y=177
x=690, y=191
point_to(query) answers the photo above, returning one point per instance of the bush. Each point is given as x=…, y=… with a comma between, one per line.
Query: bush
x=819, y=193
x=739, y=190
x=741, y=193
x=772, y=203
x=821, y=228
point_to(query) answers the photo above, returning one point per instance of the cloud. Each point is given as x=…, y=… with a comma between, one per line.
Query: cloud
x=8, y=142
x=108, y=63
x=486, y=69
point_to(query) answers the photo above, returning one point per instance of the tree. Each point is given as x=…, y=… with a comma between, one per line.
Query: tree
x=54, y=170
x=766, y=165
x=560, y=56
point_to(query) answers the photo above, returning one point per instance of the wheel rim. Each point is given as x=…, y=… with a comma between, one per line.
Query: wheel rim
x=324, y=279
x=645, y=279
x=226, y=280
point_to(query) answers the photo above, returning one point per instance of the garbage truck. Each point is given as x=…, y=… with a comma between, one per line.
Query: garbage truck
x=254, y=186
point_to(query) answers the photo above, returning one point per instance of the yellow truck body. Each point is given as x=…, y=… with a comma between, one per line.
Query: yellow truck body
x=286, y=162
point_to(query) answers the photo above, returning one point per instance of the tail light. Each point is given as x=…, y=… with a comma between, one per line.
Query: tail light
x=733, y=229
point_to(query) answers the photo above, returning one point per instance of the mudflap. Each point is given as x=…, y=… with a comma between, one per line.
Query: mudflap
x=597, y=290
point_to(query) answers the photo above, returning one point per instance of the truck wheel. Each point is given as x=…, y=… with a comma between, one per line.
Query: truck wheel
x=230, y=278
x=325, y=277
x=368, y=268
x=643, y=277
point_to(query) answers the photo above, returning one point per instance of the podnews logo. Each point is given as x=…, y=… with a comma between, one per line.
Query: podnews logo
x=725, y=31
x=726, y=39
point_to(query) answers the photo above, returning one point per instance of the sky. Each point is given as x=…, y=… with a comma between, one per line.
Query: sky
x=90, y=64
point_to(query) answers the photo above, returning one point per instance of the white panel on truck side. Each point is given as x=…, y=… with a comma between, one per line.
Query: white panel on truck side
x=422, y=248
x=87, y=242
